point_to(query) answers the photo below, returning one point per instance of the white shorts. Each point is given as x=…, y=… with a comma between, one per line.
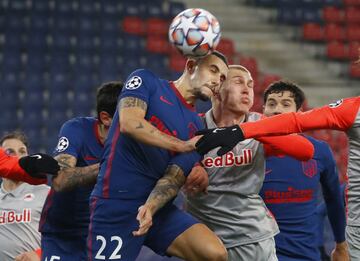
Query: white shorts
x=353, y=241
x=260, y=251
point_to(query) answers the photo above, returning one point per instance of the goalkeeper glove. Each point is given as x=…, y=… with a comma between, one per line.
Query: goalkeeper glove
x=226, y=138
x=38, y=165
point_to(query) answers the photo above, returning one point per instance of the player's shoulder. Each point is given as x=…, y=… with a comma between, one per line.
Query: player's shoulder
x=143, y=74
x=254, y=116
x=80, y=122
x=321, y=147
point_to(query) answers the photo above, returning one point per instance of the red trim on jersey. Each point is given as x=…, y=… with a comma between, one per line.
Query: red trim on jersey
x=339, y=116
x=181, y=98
x=89, y=239
x=109, y=163
x=49, y=200
x=287, y=200
x=10, y=169
x=97, y=134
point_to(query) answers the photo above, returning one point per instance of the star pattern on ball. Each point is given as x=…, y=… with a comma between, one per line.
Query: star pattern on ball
x=209, y=36
x=187, y=24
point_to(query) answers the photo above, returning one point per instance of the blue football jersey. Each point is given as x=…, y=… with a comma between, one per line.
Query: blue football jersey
x=130, y=169
x=68, y=212
x=290, y=191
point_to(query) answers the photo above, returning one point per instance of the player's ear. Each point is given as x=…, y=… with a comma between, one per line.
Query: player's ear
x=190, y=66
x=105, y=118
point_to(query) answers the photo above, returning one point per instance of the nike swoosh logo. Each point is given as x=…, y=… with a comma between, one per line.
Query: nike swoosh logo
x=36, y=156
x=218, y=129
x=268, y=171
x=163, y=99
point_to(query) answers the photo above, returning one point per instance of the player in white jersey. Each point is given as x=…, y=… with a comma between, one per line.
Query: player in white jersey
x=20, y=209
x=233, y=208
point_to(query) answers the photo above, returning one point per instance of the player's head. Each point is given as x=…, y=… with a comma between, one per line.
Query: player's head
x=15, y=144
x=106, y=101
x=281, y=97
x=205, y=75
x=237, y=92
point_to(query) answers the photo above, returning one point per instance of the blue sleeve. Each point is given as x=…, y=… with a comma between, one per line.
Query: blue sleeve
x=332, y=195
x=70, y=138
x=140, y=84
x=185, y=161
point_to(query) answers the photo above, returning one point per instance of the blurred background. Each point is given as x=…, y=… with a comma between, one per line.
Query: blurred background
x=55, y=53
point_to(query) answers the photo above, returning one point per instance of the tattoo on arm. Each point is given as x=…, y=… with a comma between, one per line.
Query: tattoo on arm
x=66, y=160
x=129, y=102
x=70, y=178
x=166, y=188
x=140, y=126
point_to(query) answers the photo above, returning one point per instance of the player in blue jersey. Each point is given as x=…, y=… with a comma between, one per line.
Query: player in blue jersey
x=290, y=188
x=146, y=160
x=65, y=216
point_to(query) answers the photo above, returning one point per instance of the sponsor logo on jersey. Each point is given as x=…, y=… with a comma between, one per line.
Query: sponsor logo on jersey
x=133, y=83
x=336, y=104
x=291, y=195
x=62, y=145
x=309, y=168
x=11, y=217
x=229, y=159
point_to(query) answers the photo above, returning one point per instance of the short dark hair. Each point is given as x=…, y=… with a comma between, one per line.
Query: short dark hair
x=18, y=135
x=221, y=56
x=107, y=96
x=281, y=86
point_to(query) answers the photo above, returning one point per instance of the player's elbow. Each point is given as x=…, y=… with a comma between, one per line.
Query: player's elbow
x=307, y=154
x=125, y=126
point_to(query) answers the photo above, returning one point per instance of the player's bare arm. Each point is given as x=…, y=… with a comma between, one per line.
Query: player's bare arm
x=70, y=177
x=132, y=122
x=165, y=189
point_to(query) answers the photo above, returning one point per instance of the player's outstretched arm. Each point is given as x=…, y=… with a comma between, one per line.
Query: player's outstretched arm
x=338, y=116
x=30, y=169
x=295, y=146
x=132, y=113
x=165, y=189
x=70, y=177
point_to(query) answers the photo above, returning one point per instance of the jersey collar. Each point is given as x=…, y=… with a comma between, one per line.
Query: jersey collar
x=180, y=97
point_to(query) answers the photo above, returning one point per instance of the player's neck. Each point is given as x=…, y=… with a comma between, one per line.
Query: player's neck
x=103, y=132
x=183, y=86
x=10, y=185
x=223, y=117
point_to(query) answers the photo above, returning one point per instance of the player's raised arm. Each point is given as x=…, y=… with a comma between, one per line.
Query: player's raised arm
x=133, y=107
x=295, y=146
x=338, y=116
x=31, y=169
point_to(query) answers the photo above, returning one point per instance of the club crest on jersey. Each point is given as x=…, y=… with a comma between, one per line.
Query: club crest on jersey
x=29, y=197
x=309, y=168
x=336, y=104
x=134, y=83
x=229, y=160
x=63, y=144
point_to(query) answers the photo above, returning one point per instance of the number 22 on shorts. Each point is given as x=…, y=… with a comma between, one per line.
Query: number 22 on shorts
x=115, y=254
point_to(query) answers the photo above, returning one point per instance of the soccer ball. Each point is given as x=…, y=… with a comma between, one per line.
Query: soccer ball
x=195, y=32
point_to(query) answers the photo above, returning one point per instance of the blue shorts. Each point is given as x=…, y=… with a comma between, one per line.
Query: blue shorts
x=112, y=222
x=66, y=248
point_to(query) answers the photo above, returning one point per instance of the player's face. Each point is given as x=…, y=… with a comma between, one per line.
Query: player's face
x=207, y=77
x=237, y=92
x=278, y=103
x=15, y=147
